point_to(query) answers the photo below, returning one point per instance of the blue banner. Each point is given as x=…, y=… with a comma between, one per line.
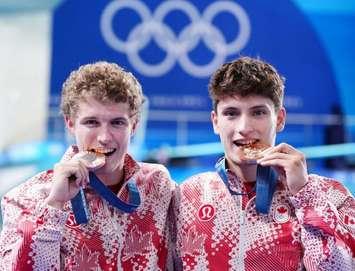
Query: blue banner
x=174, y=46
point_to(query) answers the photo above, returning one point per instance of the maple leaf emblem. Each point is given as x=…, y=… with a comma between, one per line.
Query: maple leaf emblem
x=348, y=220
x=191, y=242
x=86, y=260
x=282, y=210
x=137, y=243
x=281, y=214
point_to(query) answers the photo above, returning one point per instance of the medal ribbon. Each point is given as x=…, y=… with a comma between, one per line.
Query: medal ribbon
x=266, y=179
x=79, y=204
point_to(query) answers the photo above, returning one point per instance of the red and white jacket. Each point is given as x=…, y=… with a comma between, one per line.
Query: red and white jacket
x=36, y=236
x=313, y=230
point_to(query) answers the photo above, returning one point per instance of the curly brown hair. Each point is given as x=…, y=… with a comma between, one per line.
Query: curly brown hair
x=244, y=77
x=104, y=81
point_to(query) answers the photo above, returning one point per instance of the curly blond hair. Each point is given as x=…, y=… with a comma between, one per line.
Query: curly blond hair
x=104, y=81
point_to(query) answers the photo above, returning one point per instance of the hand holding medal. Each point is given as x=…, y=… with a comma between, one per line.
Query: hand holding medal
x=71, y=175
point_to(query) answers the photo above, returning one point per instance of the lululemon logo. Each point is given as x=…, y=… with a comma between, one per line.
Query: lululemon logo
x=206, y=212
x=176, y=46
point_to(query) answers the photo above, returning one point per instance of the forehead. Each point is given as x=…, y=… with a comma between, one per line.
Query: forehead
x=94, y=108
x=246, y=102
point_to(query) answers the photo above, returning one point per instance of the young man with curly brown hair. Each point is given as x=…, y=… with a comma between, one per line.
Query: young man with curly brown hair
x=260, y=209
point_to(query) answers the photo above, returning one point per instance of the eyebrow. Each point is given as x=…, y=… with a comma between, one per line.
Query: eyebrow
x=230, y=108
x=259, y=107
x=120, y=118
x=253, y=107
x=88, y=118
x=96, y=118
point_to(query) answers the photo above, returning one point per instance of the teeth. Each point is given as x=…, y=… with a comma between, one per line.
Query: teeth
x=103, y=151
x=245, y=143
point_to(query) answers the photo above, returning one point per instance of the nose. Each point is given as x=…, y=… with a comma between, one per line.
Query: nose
x=244, y=125
x=104, y=135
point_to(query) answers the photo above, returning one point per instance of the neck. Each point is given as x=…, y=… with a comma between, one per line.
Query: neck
x=246, y=173
x=111, y=178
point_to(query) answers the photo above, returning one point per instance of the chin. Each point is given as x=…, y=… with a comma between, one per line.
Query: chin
x=236, y=160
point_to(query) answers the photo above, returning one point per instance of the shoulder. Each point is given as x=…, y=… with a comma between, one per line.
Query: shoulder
x=201, y=181
x=156, y=173
x=335, y=191
x=34, y=189
x=149, y=169
x=152, y=167
x=326, y=183
x=195, y=189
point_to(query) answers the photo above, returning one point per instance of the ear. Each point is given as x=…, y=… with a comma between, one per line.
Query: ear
x=69, y=123
x=281, y=119
x=214, y=120
x=135, y=126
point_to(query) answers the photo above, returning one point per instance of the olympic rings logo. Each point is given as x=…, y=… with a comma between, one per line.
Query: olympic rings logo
x=177, y=47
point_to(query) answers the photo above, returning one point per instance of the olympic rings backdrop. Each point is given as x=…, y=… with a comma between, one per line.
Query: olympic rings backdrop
x=174, y=46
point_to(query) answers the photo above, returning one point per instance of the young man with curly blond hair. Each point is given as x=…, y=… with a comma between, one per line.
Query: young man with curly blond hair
x=98, y=209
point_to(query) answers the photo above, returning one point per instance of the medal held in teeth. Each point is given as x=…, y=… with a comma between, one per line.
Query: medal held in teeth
x=92, y=159
x=252, y=152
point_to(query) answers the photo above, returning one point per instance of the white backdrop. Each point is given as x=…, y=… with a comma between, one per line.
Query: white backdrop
x=25, y=31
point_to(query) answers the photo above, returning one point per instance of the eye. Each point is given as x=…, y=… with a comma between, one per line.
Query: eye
x=230, y=113
x=119, y=123
x=259, y=112
x=91, y=122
